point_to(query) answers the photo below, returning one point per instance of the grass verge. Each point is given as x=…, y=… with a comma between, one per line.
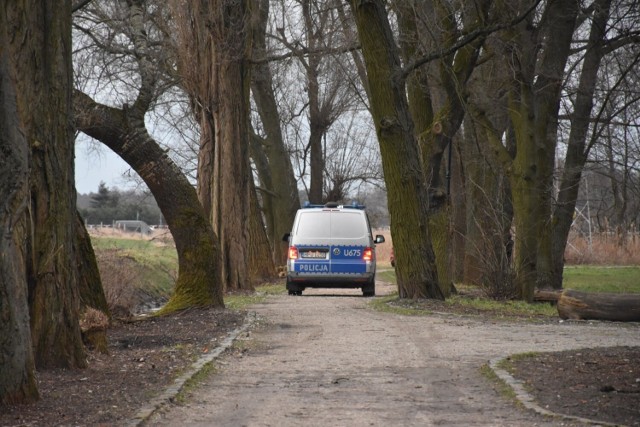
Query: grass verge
x=502, y=388
x=241, y=301
x=602, y=279
x=470, y=300
x=195, y=381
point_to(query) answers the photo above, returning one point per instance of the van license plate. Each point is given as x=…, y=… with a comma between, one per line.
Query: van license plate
x=314, y=254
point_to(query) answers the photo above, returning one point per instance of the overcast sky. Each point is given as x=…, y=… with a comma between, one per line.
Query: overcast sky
x=95, y=165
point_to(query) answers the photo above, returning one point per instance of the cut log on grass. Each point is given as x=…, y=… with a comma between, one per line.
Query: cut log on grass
x=599, y=306
x=549, y=295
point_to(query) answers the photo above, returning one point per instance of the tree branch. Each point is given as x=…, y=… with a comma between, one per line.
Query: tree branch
x=482, y=32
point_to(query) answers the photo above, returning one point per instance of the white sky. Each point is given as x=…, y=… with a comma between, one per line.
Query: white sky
x=98, y=164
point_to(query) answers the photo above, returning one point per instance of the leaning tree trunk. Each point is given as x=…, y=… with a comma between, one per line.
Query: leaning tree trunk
x=436, y=124
x=577, y=149
x=42, y=48
x=123, y=131
x=280, y=198
x=94, y=311
x=261, y=266
x=17, y=380
x=90, y=283
x=408, y=204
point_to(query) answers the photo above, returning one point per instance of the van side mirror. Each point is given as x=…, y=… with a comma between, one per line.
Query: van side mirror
x=379, y=238
x=285, y=237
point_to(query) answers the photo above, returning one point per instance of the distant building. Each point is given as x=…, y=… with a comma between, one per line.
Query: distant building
x=133, y=226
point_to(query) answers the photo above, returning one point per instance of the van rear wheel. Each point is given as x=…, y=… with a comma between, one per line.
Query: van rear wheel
x=294, y=289
x=370, y=289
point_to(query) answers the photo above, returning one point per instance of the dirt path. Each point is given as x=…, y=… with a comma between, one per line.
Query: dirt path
x=325, y=359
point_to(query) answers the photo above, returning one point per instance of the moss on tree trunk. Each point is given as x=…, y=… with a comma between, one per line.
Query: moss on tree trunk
x=407, y=199
x=198, y=282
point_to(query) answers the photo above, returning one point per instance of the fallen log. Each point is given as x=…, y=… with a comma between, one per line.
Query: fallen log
x=599, y=306
x=546, y=295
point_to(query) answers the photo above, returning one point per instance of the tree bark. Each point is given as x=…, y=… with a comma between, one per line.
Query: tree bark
x=17, y=380
x=215, y=65
x=92, y=297
x=437, y=117
x=407, y=199
x=90, y=284
x=232, y=173
x=280, y=200
x=599, y=306
x=41, y=46
x=261, y=266
x=533, y=104
x=489, y=213
x=198, y=282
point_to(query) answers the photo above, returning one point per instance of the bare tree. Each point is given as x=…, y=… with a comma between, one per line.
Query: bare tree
x=350, y=159
x=124, y=131
x=313, y=35
x=534, y=99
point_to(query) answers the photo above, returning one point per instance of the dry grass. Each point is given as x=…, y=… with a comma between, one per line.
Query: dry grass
x=603, y=249
x=124, y=278
x=161, y=235
x=383, y=250
x=119, y=277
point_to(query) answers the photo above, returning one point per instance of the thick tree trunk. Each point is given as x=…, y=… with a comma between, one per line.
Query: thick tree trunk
x=535, y=100
x=280, y=198
x=599, y=306
x=215, y=39
x=17, y=380
x=232, y=174
x=198, y=282
x=526, y=204
x=407, y=198
x=436, y=124
x=41, y=46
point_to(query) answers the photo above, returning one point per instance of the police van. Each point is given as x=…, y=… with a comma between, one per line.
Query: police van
x=331, y=246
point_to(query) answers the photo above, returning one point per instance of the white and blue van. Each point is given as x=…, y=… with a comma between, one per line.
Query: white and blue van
x=331, y=246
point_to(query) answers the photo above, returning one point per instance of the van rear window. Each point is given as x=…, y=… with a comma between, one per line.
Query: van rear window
x=347, y=225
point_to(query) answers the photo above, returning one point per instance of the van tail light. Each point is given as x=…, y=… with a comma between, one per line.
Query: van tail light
x=293, y=252
x=367, y=254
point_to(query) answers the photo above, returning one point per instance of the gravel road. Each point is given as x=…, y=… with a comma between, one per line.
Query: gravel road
x=326, y=359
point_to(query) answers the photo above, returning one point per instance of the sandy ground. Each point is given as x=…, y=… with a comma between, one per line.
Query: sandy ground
x=325, y=359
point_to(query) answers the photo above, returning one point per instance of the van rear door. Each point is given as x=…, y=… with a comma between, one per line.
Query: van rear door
x=331, y=241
